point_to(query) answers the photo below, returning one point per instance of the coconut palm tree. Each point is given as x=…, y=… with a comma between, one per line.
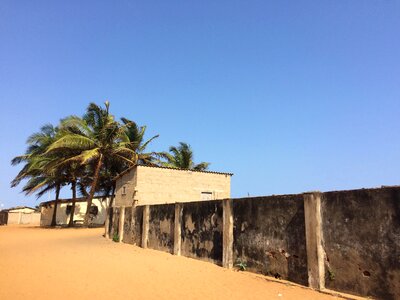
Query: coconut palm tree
x=40, y=179
x=138, y=145
x=182, y=157
x=91, y=141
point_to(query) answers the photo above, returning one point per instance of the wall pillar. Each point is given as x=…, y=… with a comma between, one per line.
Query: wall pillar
x=227, y=234
x=121, y=223
x=19, y=217
x=178, y=229
x=315, y=251
x=145, y=226
x=107, y=224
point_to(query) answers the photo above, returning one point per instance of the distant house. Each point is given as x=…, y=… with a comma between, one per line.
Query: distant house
x=145, y=185
x=21, y=215
x=64, y=209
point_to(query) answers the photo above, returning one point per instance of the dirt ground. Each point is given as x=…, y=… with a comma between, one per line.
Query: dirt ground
x=37, y=263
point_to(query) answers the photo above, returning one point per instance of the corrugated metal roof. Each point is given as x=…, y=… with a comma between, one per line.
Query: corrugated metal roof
x=170, y=168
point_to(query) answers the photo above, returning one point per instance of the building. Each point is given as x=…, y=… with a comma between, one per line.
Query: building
x=20, y=215
x=64, y=209
x=145, y=185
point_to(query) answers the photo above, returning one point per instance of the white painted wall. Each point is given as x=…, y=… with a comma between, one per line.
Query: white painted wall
x=80, y=210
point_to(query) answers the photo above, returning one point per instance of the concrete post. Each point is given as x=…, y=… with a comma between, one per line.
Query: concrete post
x=121, y=223
x=315, y=252
x=145, y=226
x=227, y=234
x=178, y=228
x=107, y=224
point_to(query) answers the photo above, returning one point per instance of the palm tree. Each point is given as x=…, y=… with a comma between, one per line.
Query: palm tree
x=182, y=157
x=40, y=178
x=91, y=141
x=137, y=144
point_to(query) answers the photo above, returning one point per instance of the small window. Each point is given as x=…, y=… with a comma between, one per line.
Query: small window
x=124, y=190
x=94, y=210
x=206, y=195
x=68, y=210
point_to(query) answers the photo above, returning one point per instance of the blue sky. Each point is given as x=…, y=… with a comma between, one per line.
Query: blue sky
x=290, y=96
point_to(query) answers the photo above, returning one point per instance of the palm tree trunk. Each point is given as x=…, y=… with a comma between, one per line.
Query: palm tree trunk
x=54, y=219
x=71, y=219
x=92, y=190
x=112, y=195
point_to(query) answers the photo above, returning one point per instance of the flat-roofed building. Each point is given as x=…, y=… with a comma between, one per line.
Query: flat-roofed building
x=145, y=185
x=64, y=210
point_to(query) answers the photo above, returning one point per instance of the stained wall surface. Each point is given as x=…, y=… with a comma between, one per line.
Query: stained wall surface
x=360, y=237
x=202, y=230
x=133, y=225
x=361, y=234
x=161, y=227
x=269, y=236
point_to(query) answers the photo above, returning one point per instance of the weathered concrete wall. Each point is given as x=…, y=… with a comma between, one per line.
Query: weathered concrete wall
x=353, y=237
x=361, y=238
x=133, y=225
x=161, y=227
x=269, y=236
x=144, y=185
x=202, y=230
x=3, y=217
x=115, y=222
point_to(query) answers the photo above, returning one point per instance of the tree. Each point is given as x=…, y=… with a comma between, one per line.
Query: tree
x=93, y=140
x=182, y=157
x=40, y=179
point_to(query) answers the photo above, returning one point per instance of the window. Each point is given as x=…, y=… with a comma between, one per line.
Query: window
x=124, y=190
x=94, y=210
x=68, y=210
x=206, y=195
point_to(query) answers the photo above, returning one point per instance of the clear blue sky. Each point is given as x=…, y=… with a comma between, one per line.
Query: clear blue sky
x=290, y=96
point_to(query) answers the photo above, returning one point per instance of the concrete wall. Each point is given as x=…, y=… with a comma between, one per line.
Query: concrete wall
x=148, y=186
x=133, y=225
x=269, y=235
x=22, y=218
x=161, y=227
x=62, y=217
x=348, y=241
x=126, y=187
x=202, y=230
x=361, y=239
x=3, y=217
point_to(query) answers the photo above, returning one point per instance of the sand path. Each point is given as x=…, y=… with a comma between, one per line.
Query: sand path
x=38, y=263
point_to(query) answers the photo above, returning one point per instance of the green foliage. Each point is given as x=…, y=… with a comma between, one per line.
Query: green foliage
x=182, y=157
x=241, y=265
x=115, y=237
x=331, y=275
x=88, y=152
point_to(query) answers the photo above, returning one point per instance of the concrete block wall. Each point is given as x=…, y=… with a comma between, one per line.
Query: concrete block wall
x=145, y=185
x=348, y=241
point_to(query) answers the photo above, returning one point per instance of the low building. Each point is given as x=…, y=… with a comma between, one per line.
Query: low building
x=20, y=215
x=64, y=209
x=145, y=185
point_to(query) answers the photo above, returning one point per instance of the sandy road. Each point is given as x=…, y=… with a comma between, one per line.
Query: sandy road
x=40, y=263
